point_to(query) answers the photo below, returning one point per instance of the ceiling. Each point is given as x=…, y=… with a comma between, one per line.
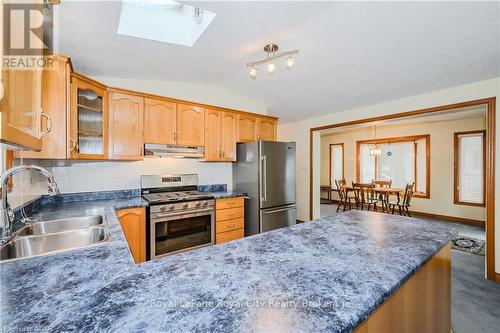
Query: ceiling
x=352, y=54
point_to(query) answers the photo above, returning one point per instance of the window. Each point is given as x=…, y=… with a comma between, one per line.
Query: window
x=336, y=162
x=403, y=160
x=470, y=154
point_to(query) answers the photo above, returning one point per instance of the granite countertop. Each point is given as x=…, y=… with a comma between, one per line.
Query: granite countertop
x=323, y=275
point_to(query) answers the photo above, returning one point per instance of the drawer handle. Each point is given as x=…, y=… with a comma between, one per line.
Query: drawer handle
x=231, y=225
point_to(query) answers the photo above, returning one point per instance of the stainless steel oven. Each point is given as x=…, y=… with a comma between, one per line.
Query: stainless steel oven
x=181, y=226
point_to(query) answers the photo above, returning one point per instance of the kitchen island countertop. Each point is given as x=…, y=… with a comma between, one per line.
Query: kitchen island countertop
x=323, y=275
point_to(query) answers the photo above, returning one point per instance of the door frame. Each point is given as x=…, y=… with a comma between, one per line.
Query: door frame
x=490, y=103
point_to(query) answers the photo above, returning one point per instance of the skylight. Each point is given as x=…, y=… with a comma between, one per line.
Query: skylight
x=163, y=20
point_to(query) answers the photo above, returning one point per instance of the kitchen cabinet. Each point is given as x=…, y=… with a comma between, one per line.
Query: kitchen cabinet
x=160, y=121
x=133, y=222
x=229, y=219
x=247, y=128
x=190, y=125
x=126, y=113
x=21, y=108
x=266, y=129
x=88, y=119
x=21, y=103
x=220, y=135
x=55, y=103
x=213, y=128
x=229, y=133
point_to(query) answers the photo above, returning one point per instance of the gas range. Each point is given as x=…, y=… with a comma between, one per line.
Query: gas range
x=180, y=217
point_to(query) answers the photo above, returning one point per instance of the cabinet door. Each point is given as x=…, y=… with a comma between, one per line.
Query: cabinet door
x=20, y=104
x=133, y=222
x=266, y=129
x=88, y=119
x=247, y=128
x=125, y=126
x=228, y=136
x=55, y=103
x=213, y=150
x=190, y=125
x=160, y=125
x=21, y=108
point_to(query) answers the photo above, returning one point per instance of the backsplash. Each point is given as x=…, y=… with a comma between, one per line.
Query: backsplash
x=88, y=176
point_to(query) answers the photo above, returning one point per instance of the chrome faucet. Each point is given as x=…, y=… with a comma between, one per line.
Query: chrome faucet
x=6, y=214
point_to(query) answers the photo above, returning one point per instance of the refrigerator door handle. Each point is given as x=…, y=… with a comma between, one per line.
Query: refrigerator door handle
x=264, y=178
x=278, y=210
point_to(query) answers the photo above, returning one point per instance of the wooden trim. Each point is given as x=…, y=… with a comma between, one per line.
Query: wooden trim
x=299, y=221
x=450, y=218
x=9, y=163
x=407, y=113
x=497, y=277
x=330, y=161
x=88, y=80
x=490, y=162
x=408, y=138
x=490, y=188
x=456, y=169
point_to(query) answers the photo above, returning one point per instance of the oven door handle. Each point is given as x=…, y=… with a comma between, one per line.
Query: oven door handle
x=192, y=213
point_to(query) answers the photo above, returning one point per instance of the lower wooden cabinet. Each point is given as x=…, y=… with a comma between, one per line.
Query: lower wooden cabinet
x=229, y=219
x=133, y=222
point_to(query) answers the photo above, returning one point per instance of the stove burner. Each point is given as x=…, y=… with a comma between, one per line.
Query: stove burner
x=180, y=196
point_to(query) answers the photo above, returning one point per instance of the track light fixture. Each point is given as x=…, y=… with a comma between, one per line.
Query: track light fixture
x=271, y=50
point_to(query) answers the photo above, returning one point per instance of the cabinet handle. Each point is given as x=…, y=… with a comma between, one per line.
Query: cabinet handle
x=49, y=123
x=231, y=225
x=223, y=154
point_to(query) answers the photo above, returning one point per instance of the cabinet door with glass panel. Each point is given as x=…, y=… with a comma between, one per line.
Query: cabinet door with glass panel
x=88, y=119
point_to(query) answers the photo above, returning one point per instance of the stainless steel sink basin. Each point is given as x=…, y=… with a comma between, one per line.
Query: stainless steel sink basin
x=28, y=246
x=49, y=227
x=53, y=236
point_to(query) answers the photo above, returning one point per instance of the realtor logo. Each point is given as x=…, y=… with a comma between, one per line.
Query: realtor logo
x=24, y=27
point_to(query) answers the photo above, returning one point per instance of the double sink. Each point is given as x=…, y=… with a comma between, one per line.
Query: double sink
x=54, y=236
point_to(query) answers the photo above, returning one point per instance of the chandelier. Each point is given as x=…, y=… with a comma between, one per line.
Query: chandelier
x=271, y=50
x=375, y=151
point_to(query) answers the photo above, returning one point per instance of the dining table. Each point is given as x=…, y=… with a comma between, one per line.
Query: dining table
x=383, y=192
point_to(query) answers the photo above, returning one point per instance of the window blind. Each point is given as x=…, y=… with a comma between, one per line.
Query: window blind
x=470, y=180
x=336, y=163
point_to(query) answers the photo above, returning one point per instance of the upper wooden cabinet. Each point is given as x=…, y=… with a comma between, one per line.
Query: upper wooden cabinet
x=55, y=103
x=160, y=121
x=21, y=108
x=88, y=119
x=190, y=125
x=247, y=128
x=126, y=112
x=266, y=129
x=213, y=133
x=220, y=136
x=229, y=131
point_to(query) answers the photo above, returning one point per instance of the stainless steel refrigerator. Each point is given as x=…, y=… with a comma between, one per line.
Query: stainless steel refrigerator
x=265, y=171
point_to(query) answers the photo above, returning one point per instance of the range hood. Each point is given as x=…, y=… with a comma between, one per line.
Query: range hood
x=173, y=151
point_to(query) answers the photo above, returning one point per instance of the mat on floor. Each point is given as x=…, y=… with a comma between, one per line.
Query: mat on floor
x=468, y=244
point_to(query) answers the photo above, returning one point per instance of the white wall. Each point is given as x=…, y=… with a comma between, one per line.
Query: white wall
x=299, y=132
x=441, y=199
x=201, y=93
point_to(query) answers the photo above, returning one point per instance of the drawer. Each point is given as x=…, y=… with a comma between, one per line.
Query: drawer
x=229, y=236
x=229, y=225
x=229, y=214
x=229, y=203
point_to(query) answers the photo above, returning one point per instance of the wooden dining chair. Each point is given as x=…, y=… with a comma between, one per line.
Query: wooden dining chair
x=365, y=195
x=404, y=204
x=345, y=198
x=382, y=183
x=384, y=199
